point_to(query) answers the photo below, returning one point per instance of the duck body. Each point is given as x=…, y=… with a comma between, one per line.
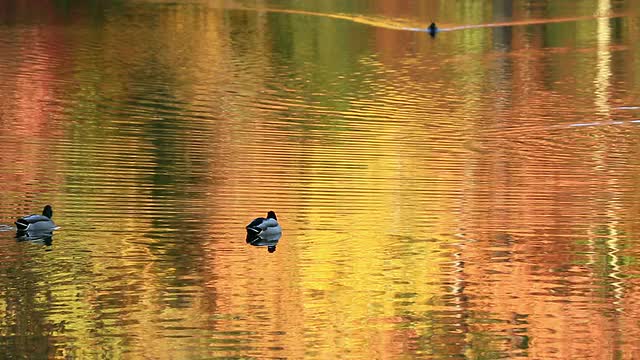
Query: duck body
x=36, y=223
x=264, y=231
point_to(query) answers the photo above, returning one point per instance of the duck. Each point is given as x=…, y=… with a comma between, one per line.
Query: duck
x=37, y=223
x=432, y=29
x=264, y=231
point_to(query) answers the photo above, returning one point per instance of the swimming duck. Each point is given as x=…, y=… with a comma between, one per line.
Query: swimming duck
x=37, y=223
x=264, y=231
x=432, y=29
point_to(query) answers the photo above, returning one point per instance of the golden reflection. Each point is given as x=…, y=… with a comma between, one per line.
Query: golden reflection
x=603, y=62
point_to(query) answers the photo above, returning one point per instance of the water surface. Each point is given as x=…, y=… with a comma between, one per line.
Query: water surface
x=472, y=195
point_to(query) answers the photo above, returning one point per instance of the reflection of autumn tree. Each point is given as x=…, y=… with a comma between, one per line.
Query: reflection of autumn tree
x=29, y=84
x=26, y=322
x=521, y=175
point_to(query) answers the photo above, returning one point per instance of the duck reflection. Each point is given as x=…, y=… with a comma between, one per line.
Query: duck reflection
x=264, y=232
x=36, y=237
x=270, y=244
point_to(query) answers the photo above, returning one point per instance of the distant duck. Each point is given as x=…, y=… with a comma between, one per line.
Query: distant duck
x=37, y=223
x=432, y=29
x=264, y=232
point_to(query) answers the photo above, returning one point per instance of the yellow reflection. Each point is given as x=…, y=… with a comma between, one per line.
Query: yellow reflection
x=603, y=62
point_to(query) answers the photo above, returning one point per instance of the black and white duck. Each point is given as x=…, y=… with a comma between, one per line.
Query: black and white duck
x=37, y=223
x=264, y=232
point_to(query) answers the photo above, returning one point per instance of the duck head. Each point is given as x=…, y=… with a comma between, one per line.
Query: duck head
x=47, y=211
x=271, y=215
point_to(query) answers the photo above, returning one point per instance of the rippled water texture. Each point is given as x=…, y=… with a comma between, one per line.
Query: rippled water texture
x=471, y=195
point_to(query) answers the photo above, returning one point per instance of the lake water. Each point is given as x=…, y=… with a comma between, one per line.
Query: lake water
x=469, y=195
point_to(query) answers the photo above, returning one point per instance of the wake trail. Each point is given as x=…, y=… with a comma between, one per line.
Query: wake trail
x=406, y=25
